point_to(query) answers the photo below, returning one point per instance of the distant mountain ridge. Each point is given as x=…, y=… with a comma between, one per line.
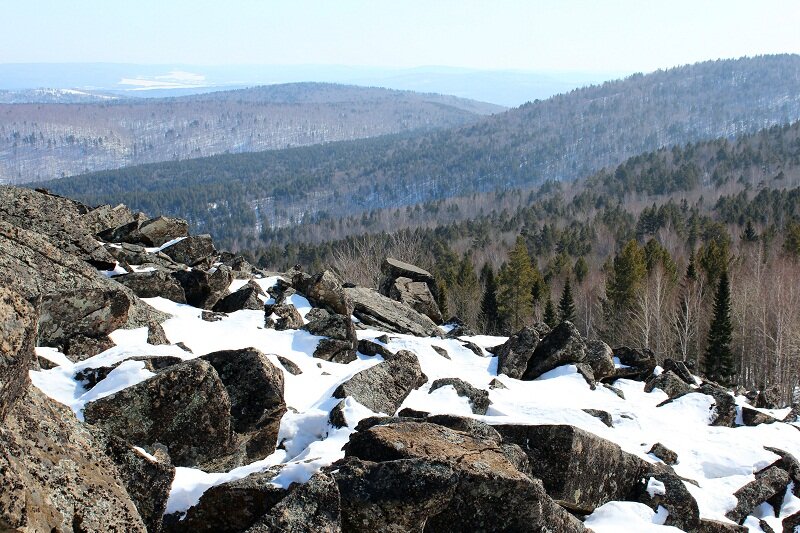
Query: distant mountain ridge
x=40, y=142
x=564, y=137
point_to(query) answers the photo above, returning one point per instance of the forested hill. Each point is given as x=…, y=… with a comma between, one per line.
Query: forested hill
x=45, y=141
x=564, y=137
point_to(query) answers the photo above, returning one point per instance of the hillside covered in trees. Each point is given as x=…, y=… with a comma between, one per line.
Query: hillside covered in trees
x=48, y=140
x=235, y=197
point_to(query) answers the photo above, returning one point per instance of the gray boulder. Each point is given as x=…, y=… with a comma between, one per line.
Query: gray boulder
x=341, y=343
x=563, y=345
x=683, y=512
x=152, y=284
x=246, y=297
x=639, y=363
x=383, y=388
x=478, y=398
x=665, y=454
x=770, y=483
x=325, y=291
x=156, y=335
x=310, y=507
x=153, y=232
x=196, y=250
x=17, y=340
x=417, y=296
x=601, y=358
x=669, y=383
x=751, y=417
x=204, y=289
x=383, y=313
x=282, y=317
x=394, y=268
x=724, y=408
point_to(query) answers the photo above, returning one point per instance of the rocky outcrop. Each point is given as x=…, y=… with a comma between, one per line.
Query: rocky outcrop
x=341, y=343
x=18, y=323
x=478, y=398
x=636, y=363
x=564, y=345
x=768, y=484
x=247, y=297
x=514, y=354
x=282, y=317
x=580, y=470
x=152, y=232
x=185, y=407
x=751, y=417
x=378, y=311
x=325, y=291
x=311, y=507
x=417, y=296
x=393, y=269
x=204, y=289
x=600, y=358
x=195, y=250
x=153, y=284
x=383, y=387
x=667, y=490
x=669, y=383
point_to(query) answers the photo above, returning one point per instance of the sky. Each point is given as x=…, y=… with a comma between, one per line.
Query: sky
x=532, y=35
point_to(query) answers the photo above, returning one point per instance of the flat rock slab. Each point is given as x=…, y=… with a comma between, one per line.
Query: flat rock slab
x=378, y=311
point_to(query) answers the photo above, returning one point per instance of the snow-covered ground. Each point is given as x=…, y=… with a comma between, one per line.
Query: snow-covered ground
x=719, y=459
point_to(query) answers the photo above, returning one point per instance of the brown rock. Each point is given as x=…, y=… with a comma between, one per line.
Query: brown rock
x=17, y=340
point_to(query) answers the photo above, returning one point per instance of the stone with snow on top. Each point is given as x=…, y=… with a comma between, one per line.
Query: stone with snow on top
x=154, y=284
x=669, y=383
x=147, y=481
x=91, y=376
x=286, y=316
x=768, y=485
x=336, y=417
x=185, y=407
x=664, y=453
x=752, y=417
x=788, y=463
x=310, y=507
x=603, y=416
x=341, y=343
x=665, y=489
x=193, y=251
x=255, y=387
x=600, y=357
x=383, y=387
x=371, y=349
x=156, y=335
x=680, y=369
x=478, y=398
x=724, y=409
x=638, y=364
x=17, y=340
x=562, y=346
x=247, y=297
x=514, y=354
x=580, y=470
x=152, y=232
x=55, y=474
x=383, y=313
x=491, y=493
x=89, y=312
x=230, y=507
x=417, y=296
x=204, y=289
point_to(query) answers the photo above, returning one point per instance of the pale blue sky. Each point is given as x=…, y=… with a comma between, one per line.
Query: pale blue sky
x=568, y=35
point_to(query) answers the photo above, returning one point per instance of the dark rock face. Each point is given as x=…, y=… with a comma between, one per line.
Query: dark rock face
x=311, y=507
x=771, y=482
x=478, y=398
x=231, y=507
x=491, y=494
x=787, y=463
x=245, y=298
x=148, y=482
x=664, y=453
x=367, y=347
x=564, y=345
x=17, y=341
x=88, y=312
x=769, y=398
x=255, y=389
x=290, y=367
x=668, y=382
x=152, y=232
x=394, y=268
x=715, y=526
x=287, y=317
x=640, y=363
x=193, y=251
x=204, y=289
x=680, y=369
x=55, y=475
x=342, y=342
x=514, y=354
x=81, y=347
x=751, y=417
x=603, y=416
x=682, y=507
x=156, y=335
x=152, y=284
x=325, y=291
x=383, y=387
x=580, y=470
x=383, y=313
x=185, y=407
x=417, y=296
x=790, y=523
x=601, y=358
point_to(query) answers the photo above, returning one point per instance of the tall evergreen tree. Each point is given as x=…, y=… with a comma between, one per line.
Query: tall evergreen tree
x=581, y=269
x=549, y=317
x=749, y=234
x=719, y=363
x=490, y=315
x=516, y=280
x=566, y=305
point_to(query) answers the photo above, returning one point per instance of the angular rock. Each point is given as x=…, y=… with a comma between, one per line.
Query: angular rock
x=769, y=398
x=55, y=474
x=564, y=345
x=665, y=454
x=371, y=349
x=394, y=268
x=81, y=347
x=683, y=512
x=18, y=324
x=407, y=412
x=789, y=464
x=383, y=387
x=192, y=251
x=680, y=369
x=282, y=317
x=640, y=363
x=667, y=382
x=245, y=298
x=290, y=367
x=311, y=507
x=156, y=335
x=441, y=351
x=417, y=296
x=751, y=417
x=580, y=470
x=105, y=217
x=185, y=407
x=336, y=417
x=204, y=289
x=153, y=284
x=152, y=232
x=255, y=389
x=478, y=398
x=380, y=312
x=212, y=316
x=325, y=290
x=496, y=384
x=601, y=358
x=603, y=416
x=772, y=482
x=88, y=312
x=474, y=348
x=342, y=342
x=790, y=523
x=514, y=354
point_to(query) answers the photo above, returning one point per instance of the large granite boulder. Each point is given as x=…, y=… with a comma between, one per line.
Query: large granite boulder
x=88, y=312
x=600, y=358
x=341, y=343
x=325, y=291
x=562, y=346
x=152, y=232
x=635, y=363
x=195, y=250
x=247, y=297
x=55, y=476
x=514, y=354
x=383, y=388
x=378, y=311
x=204, y=289
x=17, y=340
x=767, y=485
x=394, y=268
x=665, y=489
x=580, y=470
x=669, y=383
x=155, y=283
x=310, y=507
x=185, y=407
x=417, y=295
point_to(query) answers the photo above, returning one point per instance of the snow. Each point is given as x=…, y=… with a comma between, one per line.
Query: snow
x=165, y=245
x=655, y=487
x=719, y=459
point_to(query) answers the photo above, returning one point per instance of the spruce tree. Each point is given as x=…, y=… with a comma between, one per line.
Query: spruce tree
x=566, y=305
x=490, y=316
x=549, y=317
x=581, y=269
x=749, y=234
x=516, y=280
x=719, y=363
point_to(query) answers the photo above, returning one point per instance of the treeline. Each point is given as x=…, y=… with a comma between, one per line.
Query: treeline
x=564, y=137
